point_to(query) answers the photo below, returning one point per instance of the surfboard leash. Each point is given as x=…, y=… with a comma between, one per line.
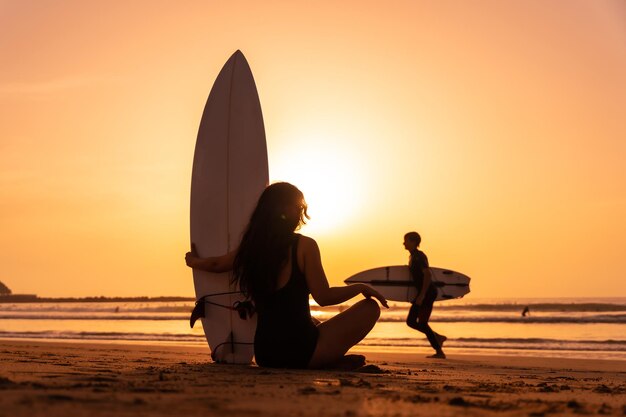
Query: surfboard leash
x=230, y=341
x=245, y=309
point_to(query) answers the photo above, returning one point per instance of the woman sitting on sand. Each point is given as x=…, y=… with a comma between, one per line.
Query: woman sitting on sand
x=278, y=269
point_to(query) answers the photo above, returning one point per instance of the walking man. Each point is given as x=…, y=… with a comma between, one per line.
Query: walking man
x=422, y=306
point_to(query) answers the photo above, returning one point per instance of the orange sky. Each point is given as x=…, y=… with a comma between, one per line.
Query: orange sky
x=495, y=129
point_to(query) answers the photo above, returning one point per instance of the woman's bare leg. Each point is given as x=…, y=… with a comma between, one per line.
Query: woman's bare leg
x=338, y=334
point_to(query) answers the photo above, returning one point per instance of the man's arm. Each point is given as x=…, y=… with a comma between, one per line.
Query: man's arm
x=425, y=283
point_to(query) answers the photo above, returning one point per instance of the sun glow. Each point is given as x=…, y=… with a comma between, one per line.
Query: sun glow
x=330, y=180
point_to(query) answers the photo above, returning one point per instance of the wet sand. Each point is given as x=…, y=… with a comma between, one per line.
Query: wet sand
x=98, y=379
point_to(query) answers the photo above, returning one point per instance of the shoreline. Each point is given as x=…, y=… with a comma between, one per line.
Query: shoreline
x=376, y=350
x=374, y=354
x=92, y=379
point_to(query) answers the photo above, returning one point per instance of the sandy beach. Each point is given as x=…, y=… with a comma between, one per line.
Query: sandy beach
x=63, y=379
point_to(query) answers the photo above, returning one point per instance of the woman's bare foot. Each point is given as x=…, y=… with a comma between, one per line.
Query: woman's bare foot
x=349, y=363
x=440, y=355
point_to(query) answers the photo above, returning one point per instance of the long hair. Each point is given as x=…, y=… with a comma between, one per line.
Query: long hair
x=264, y=248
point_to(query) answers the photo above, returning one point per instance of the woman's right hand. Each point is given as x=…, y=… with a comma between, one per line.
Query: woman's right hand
x=215, y=264
x=369, y=292
x=191, y=258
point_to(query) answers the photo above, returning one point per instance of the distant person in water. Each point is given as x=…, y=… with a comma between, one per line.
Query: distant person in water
x=278, y=269
x=526, y=311
x=422, y=306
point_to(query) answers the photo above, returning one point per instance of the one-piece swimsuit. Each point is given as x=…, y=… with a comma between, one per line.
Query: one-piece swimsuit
x=286, y=336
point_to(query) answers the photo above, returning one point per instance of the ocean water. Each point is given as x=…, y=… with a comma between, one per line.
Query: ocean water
x=562, y=327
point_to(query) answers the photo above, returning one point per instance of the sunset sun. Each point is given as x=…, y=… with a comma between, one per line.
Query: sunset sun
x=331, y=181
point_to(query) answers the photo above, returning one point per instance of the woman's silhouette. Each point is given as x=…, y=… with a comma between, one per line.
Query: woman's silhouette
x=278, y=269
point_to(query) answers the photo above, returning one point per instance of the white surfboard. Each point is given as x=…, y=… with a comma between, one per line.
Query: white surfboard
x=230, y=172
x=396, y=284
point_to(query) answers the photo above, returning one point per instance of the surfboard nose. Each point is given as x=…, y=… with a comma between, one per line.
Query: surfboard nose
x=238, y=55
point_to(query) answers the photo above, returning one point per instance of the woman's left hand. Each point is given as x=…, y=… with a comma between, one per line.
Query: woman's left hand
x=369, y=292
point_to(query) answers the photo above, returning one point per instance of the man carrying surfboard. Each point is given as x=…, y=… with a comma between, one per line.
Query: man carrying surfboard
x=422, y=306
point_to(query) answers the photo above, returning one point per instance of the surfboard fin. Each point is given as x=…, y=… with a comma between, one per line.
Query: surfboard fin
x=198, y=312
